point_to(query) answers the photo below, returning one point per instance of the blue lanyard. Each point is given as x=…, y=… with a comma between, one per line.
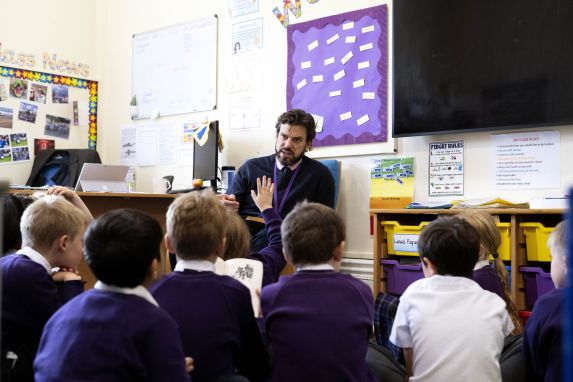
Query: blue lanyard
x=285, y=195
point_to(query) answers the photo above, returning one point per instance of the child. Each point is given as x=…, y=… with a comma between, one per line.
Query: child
x=450, y=328
x=318, y=321
x=543, y=334
x=115, y=332
x=494, y=279
x=14, y=206
x=52, y=230
x=214, y=312
x=239, y=237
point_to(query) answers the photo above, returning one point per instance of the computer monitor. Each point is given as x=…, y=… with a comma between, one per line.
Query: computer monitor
x=205, y=157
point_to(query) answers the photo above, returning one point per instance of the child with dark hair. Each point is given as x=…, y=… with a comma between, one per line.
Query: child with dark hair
x=449, y=327
x=317, y=314
x=51, y=229
x=543, y=336
x=214, y=312
x=14, y=206
x=492, y=277
x=116, y=331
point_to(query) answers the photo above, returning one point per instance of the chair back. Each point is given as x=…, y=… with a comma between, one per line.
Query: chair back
x=334, y=166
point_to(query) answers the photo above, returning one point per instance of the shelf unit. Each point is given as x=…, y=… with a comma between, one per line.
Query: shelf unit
x=549, y=217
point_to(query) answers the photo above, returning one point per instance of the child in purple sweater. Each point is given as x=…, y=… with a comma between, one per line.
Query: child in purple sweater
x=51, y=230
x=214, y=312
x=116, y=331
x=543, y=336
x=317, y=315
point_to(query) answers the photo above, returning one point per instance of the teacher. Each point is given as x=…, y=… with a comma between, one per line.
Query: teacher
x=296, y=177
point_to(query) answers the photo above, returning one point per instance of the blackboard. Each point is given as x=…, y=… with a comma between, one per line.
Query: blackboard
x=175, y=69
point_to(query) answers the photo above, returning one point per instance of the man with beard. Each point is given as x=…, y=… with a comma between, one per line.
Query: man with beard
x=296, y=177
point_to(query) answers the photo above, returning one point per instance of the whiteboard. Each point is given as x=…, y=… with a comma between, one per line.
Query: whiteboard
x=175, y=69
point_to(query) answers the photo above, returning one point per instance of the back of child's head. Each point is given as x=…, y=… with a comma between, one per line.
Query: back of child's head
x=311, y=232
x=120, y=246
x=557, y=245
x=14, y=206
x=451, y=244
x=238, y=237
x=49, y=218
x=196, y=224
x=490, y=238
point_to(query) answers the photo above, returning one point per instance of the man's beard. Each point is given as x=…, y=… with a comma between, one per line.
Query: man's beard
x=287, y=161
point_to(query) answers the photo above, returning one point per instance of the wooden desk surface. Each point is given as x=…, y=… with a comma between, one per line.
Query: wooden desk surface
x=155, y=205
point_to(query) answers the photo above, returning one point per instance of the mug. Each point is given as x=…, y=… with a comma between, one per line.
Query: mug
x=161, y=185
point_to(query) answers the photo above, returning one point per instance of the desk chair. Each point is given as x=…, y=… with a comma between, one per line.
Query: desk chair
x=334, y=166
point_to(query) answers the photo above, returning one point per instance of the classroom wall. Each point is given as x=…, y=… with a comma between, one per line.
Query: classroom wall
x=67, y=28
x=110, y=47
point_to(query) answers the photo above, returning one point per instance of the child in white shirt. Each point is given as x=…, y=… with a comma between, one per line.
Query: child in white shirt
x=450, y=328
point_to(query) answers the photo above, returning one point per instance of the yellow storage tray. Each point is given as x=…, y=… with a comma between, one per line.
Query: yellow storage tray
x=536, y=235
x=504, y=250
x=402, y=239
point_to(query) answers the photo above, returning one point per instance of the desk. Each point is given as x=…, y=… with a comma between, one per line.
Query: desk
x=415, y=216
x=153, y=204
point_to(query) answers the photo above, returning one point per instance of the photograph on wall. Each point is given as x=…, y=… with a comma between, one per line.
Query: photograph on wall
x=43, y=144
x=59, y=94
x=337, y=70
x=247, y=36
x=57, y=126
x=446, y=168
x=38, y=93
x=6, y=117
x=75, y=112
x=20, y=154
x=27, y=112
x=4, y=141
x=18, y=88
x=18, y=140
x=5, y=154
x=3, y=92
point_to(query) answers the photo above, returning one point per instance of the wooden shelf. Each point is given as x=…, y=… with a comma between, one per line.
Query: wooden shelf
x=515, y=216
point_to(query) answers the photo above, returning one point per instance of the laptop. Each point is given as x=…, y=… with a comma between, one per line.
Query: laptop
x=97, y=177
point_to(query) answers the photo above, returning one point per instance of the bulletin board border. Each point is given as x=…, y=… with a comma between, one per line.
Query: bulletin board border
x=56, y=79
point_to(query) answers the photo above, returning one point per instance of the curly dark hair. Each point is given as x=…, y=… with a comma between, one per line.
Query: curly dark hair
x=298, y=117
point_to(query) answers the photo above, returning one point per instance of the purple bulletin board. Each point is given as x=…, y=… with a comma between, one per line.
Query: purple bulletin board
x=337, y=71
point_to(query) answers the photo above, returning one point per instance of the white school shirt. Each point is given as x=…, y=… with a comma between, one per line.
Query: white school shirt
x=455, y=328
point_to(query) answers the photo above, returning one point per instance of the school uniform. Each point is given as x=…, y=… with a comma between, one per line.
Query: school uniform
x=306, y=180
x=111, y=334
x=29, y=298
x=542, y=339
x=318, y=323
x=272, y=255
x=487, y=278
x=216, y=320
x=455, y=328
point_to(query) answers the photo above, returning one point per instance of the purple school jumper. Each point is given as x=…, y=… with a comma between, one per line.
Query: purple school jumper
x=488, y=280
x=29, y=298
x=542, y=339
x=272, y=255
x=107, y=336
x=318, y=324
x=217, y=324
